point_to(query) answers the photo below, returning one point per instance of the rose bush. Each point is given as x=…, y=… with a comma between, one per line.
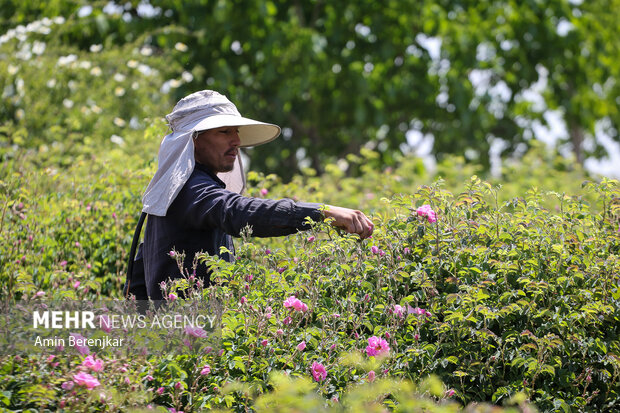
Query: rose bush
x=501, y=291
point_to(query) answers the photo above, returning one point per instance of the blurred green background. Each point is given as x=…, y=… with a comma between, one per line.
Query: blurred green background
x=478, y=79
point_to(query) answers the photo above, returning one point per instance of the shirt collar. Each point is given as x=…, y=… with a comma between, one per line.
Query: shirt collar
x=208, y=171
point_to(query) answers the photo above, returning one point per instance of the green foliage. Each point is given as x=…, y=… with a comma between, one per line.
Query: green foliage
x=504, y=296
x=337, y=76
x=511, y=297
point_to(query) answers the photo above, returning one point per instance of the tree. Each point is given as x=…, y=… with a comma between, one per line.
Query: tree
x=338, y=76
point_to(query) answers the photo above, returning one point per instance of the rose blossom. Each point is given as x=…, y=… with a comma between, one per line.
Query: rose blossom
x=399, y=311
x=195, y=332
x=104, y=323
x=295, y=303
x=417, y=311
x=86, y=380
x=92, y=364
x=81, y=348
x=371, y=376
x=301, y=346
x=377, y=347
x=427, y=211
x=318, y=371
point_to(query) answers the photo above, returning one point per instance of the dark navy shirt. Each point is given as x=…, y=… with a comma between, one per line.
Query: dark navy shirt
x=203, y=217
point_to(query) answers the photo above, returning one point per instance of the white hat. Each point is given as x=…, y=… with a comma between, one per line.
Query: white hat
x=197, y=112
x=208, y=109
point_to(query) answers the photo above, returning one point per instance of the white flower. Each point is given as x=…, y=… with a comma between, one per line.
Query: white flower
x=96, y=109
x=145, y=69
x=187, y=77
x=51, y=83
x=119, y=122
x=12, y=69
x=146, y=51
x=132, y=64
x=96, y=71
x=38, y=47
x=20, y=113
x=119, y=77
x=181, y=47
x=67, y=103
x=119, y=91
x=96, y=48
x=117, y=140
x=65, y=60
x=85, y=65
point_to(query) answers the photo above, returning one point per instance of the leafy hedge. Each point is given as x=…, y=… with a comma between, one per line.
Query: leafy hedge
x=502, y=299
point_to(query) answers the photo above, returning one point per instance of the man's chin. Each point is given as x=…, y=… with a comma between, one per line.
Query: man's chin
x=228, y=168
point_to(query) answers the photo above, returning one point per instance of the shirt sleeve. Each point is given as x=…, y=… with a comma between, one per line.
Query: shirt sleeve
x=206, y=205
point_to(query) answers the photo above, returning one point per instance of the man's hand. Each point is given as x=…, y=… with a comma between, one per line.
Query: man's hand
x=352, y=221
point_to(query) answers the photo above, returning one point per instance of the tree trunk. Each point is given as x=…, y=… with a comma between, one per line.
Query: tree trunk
x=576, y=137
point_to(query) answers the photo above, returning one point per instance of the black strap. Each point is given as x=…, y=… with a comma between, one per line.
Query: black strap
x=132, y=252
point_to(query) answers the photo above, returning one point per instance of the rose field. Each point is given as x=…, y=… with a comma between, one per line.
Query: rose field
x=491, y=282
x=469, y=293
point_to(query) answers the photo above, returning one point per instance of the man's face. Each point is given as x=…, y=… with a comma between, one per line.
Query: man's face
x=217, y=148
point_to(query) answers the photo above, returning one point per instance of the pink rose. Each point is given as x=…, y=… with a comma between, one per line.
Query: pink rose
x=92, y=364
x=104, y=323
x=417, y=311
x=264, y=343
x=205, y=370
x=80, y=345
x=195, y=332
x=295, y=303
x=301, y=346
x=318, y=371
x=374, y=249
x=86, y=380
x=427, y=211
x=377, y=347
x=399, y=311
x=371, y=376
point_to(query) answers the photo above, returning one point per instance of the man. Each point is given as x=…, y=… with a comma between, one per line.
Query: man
x=190, y=207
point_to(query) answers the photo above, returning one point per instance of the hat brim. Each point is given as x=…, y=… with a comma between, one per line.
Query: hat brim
x=251, y=132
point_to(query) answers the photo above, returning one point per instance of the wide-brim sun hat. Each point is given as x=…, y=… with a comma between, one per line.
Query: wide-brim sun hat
x=200, y=111
x=208, y=109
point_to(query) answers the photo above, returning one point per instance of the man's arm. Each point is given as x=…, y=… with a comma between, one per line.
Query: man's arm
x=205, y=204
